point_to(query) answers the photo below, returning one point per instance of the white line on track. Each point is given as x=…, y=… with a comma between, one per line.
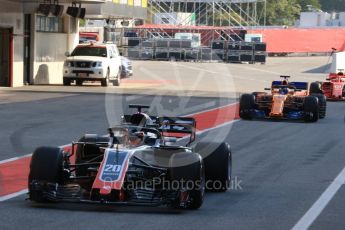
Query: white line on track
x=14, y=158
x=208, y=110
x=217, y=127
x=310, y=216
x=13, y=195
x=211, y=129
x=27, y=155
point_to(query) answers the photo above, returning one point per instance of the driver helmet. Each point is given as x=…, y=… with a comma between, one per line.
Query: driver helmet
x=284, y=90
x=285, y=82
x=136, y=138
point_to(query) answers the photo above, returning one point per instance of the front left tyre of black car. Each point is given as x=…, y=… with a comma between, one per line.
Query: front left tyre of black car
x=46, y=166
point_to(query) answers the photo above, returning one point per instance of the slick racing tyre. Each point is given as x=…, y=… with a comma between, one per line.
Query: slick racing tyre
x=311, y=109
x=218, y=164
x=46, y=166
x=315, y=88
x=322, y=105
x=247, y=103
x=190, y=177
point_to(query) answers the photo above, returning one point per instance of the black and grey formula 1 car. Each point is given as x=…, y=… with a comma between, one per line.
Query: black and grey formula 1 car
x=133, y=165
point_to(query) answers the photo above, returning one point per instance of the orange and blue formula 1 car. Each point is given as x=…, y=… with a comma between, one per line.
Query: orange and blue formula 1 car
x=287, y=100
x=138, y=163
x=333, y=88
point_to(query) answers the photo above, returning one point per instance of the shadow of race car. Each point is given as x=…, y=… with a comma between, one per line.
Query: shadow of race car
x=139, y=162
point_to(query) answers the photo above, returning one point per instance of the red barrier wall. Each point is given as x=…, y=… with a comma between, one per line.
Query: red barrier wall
x=302, y=40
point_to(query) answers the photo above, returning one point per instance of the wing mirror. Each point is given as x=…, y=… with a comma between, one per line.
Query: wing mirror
x=67, y=54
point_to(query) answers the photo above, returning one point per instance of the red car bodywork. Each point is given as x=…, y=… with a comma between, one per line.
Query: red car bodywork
x=334, y=87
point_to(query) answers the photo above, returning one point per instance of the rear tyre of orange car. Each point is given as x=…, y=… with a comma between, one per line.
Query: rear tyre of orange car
x=46, y=166
x=322, y=105
x=311, y=109
x=218, y=164
x=315, y=88
x=190, y=177
x=247, y=103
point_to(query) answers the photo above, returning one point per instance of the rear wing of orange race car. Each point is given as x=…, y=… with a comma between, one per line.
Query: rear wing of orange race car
x=296, y=84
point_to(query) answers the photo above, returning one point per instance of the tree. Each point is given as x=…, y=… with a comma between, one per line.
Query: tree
x=82, y=22
x=282, y=12
x=304, y=4
x=333, y=5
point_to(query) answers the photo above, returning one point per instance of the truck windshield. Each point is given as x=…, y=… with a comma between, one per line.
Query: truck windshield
x=89, y=51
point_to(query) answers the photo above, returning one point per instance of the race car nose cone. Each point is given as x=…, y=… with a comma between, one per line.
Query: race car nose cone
x=105, y=190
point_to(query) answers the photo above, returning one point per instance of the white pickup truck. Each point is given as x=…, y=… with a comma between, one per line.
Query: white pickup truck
x=93, y=62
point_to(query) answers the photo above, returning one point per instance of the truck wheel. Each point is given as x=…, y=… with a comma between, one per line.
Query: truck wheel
x=311, y=109
x=218, y=164
x=66, y=81
x=46, y=165
x=123, y=74
x=116, y=82
x=247, y=102
x=105, y=81
x=315, y=88
x=190, y=177
x=79, y=82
